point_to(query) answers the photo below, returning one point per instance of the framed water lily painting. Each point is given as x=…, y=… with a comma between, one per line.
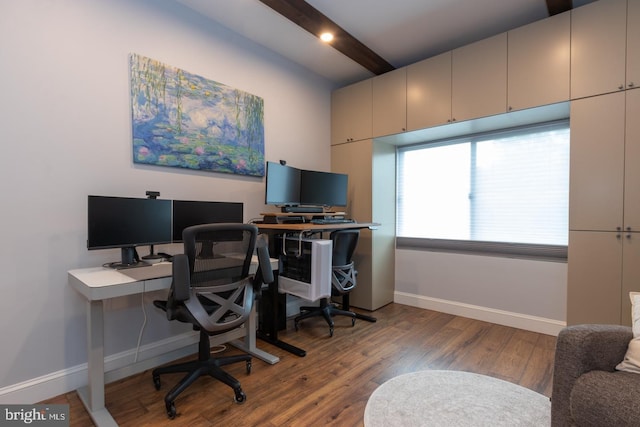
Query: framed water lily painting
x=186, y=121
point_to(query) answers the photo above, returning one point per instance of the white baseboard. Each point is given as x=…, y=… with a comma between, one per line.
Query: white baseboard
x=121, y=365
x=500, y=317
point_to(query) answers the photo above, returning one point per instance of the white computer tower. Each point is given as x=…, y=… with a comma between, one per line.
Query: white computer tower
x=305, y=268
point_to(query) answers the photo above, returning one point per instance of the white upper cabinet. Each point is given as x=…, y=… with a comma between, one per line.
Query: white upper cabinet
x=351, y=116
x=429, y=92
x=539, y=63
x=479, y=82
x=598, y=48
x=390, y=103
x=633, y=43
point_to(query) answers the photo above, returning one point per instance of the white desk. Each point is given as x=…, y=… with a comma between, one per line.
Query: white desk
x=99, y=284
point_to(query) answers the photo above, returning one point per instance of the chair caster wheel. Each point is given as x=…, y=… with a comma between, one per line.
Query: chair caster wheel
x=331, y=331
x=248, y=367
x=295, y=325
x=156, y=382
x=240, y=397
x=353, y=321
x=171, y=410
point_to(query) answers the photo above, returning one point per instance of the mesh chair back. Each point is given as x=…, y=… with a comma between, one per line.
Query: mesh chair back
x=343, y=276
x=219, y=253
x=220, y=288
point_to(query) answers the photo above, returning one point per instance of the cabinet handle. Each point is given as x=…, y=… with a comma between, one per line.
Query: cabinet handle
x=510, y=108
x=631, y=84
x=621, y=87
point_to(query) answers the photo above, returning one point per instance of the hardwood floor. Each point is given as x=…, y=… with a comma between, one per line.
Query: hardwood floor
x=331, y=385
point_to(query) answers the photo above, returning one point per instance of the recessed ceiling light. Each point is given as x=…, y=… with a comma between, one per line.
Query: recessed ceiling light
x=326, y=37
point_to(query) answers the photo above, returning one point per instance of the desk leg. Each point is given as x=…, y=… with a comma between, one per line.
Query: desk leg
x=249, y=342
x=271, y=336
x=92, y=396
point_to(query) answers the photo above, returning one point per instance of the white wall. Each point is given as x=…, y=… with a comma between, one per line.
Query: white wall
x=65, y=132
x=515, y=292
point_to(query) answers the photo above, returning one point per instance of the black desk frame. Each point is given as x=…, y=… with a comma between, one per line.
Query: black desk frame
x=271, y=334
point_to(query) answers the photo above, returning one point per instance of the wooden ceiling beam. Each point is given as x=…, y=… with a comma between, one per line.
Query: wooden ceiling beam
x=309, y=18
x=558, y=6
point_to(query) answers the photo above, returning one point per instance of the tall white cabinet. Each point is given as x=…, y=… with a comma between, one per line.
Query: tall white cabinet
x=371, y=198
x=604, y=216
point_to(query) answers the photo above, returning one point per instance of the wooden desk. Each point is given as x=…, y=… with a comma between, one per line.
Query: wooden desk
x=99, y=284
x=308, y=227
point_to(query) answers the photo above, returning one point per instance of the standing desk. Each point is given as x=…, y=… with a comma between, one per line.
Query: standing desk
x=99, y=284
x=270, y=335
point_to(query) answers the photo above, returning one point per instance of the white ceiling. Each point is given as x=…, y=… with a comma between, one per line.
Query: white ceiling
x=400, y=31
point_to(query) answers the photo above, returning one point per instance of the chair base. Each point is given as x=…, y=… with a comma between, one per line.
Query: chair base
x=205, y=365
x=326, y=310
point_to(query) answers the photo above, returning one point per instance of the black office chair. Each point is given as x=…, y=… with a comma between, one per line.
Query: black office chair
x=343, y=279
x=212, y=290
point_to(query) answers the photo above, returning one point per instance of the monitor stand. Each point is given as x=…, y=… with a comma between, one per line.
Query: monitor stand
x=302, y=209
x=128, y=259
x=152, y=258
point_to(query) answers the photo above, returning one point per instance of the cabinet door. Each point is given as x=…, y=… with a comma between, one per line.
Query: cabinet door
x=371, y=169
x=594, y=277
x=597, y=162
x=538, y=60
x=630, y=273
x=632, y=162
x=633, y=43
x=351, y=116
x=390, y=103
x=354, y=159
x=598, y=40
x=429, y=92
x=479, y=79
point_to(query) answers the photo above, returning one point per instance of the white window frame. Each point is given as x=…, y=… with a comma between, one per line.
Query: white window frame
x=512, y=250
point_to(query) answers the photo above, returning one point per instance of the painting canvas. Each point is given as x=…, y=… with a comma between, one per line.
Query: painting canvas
x=186, y=121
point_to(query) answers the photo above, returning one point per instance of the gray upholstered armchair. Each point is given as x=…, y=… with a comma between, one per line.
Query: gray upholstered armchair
x=587, y=390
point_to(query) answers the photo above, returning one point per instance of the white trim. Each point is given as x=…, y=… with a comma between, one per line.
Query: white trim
x=500, y=317
x=56, y=383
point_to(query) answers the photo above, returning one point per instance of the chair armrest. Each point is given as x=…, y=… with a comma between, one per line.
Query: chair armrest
x=264, y=273
x=181, y=277
x=580, y=349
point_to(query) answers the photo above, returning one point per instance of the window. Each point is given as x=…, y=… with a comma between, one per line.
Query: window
x=505, y=191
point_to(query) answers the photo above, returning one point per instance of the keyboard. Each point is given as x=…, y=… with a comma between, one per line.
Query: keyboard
x=322, y=221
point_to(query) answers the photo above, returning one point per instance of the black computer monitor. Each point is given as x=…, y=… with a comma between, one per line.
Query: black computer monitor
x=187, y=213
x=126, y=222
x=323, y=188
x=283, y=185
